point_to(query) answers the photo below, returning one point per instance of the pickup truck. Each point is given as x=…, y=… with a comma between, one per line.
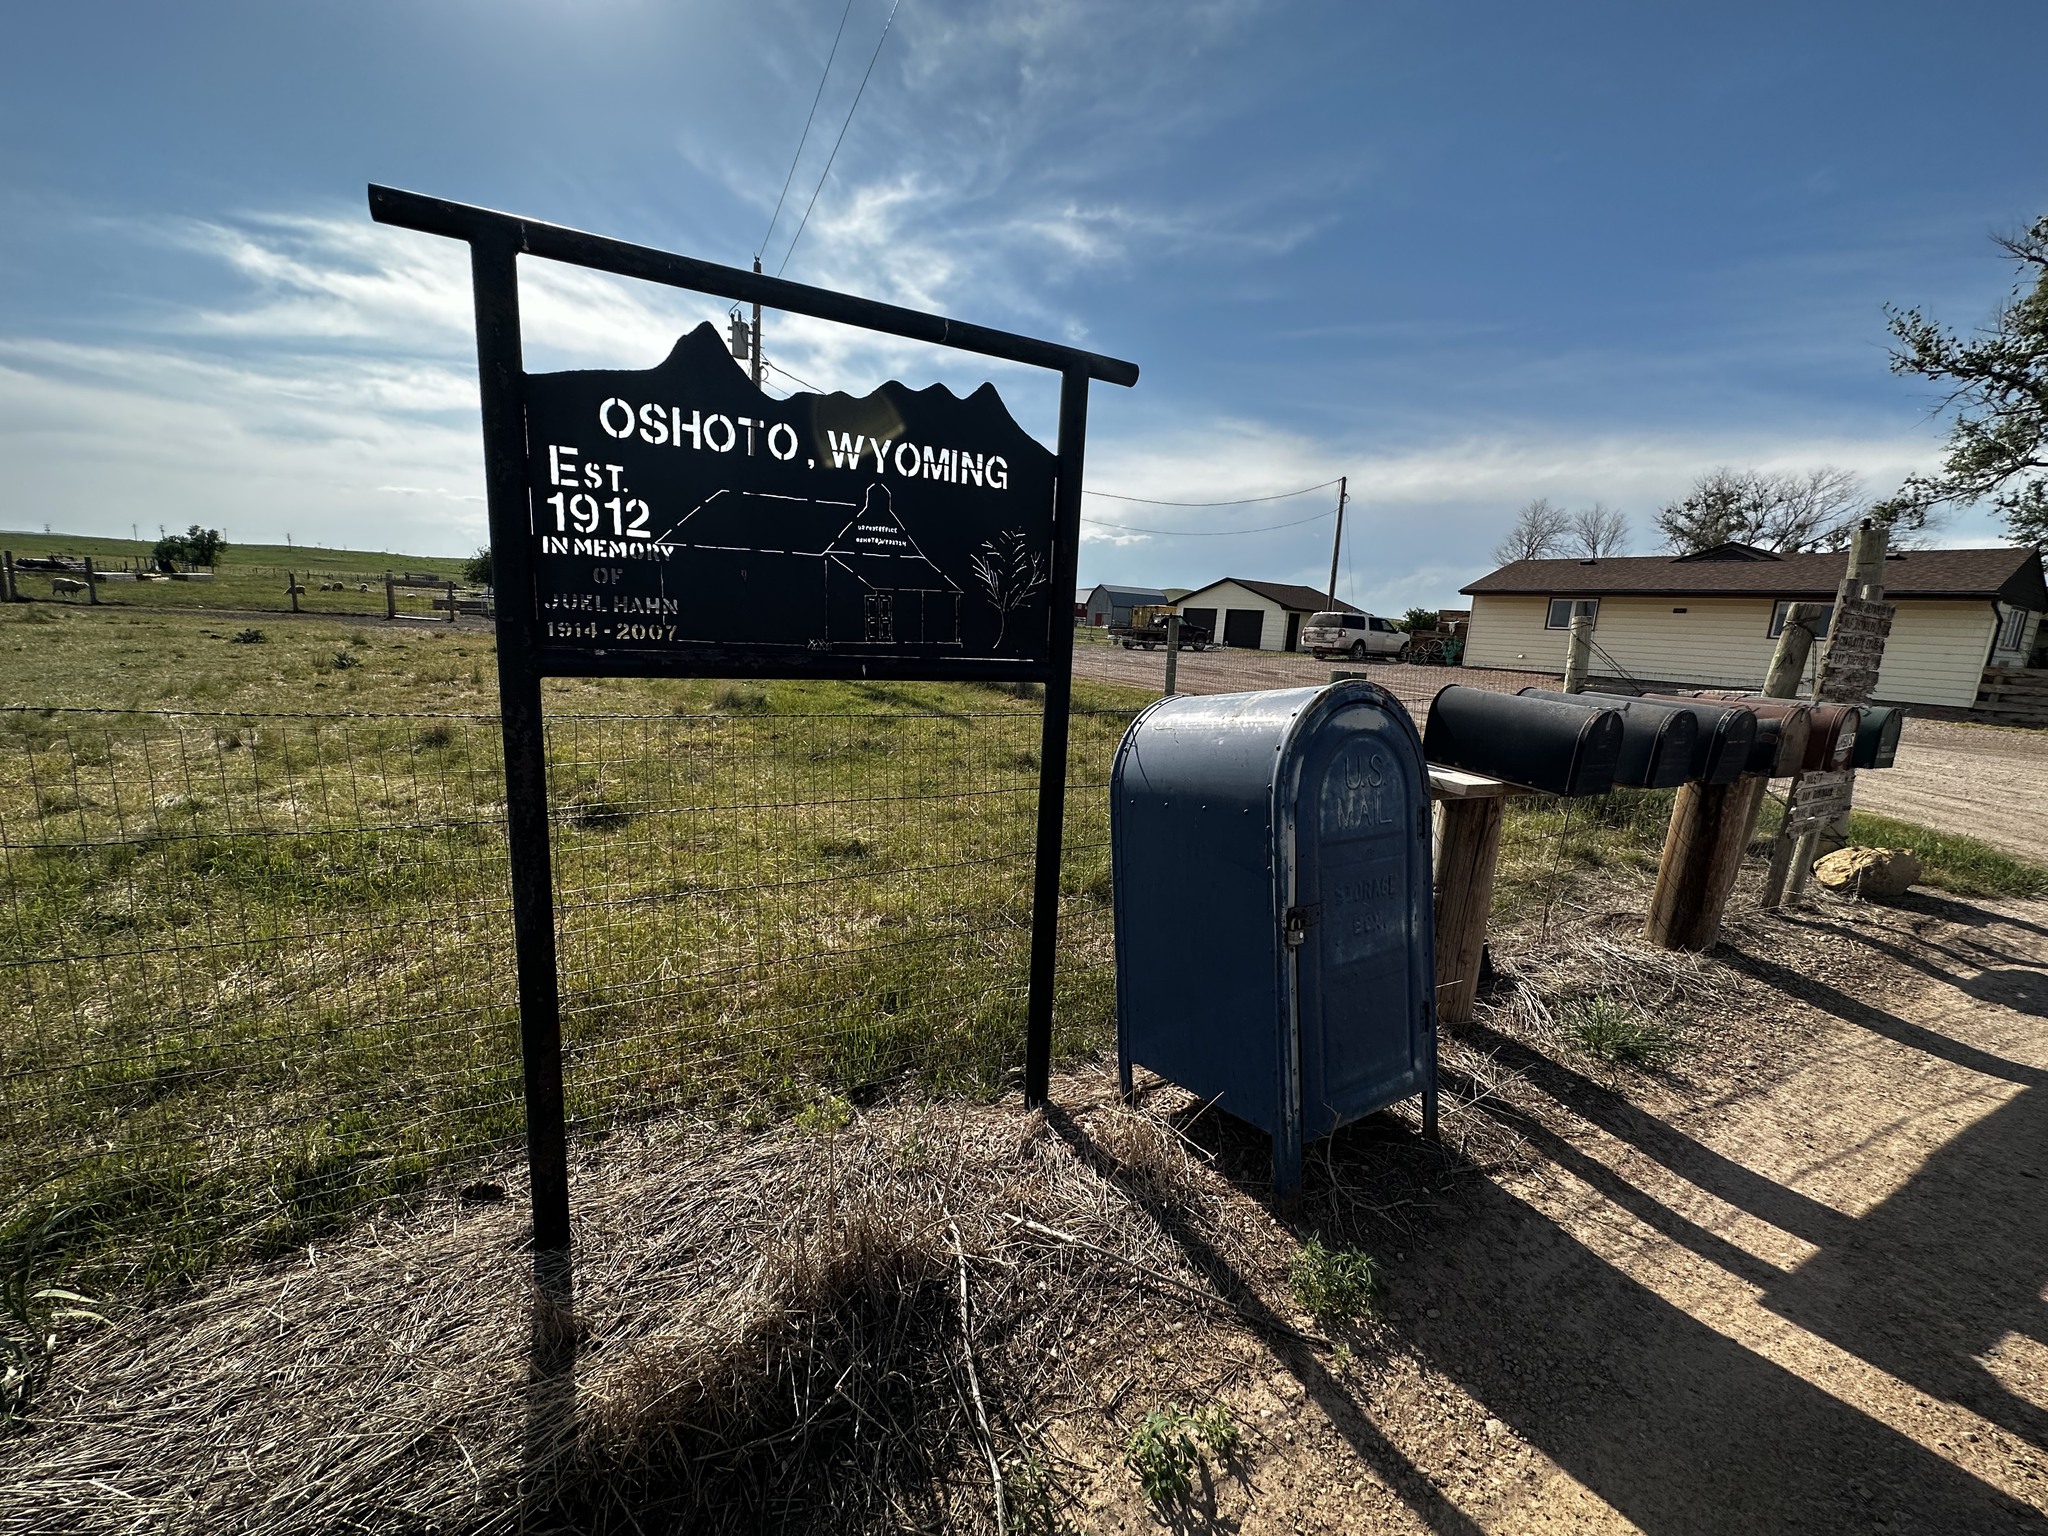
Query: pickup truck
x=1152, y=635
x=1357, y=635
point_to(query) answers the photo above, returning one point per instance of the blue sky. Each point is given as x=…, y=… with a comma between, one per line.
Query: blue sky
x=1466, y=254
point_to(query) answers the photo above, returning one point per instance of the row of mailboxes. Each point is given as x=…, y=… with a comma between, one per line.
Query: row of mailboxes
x=1587, y=743
x=1291, y=980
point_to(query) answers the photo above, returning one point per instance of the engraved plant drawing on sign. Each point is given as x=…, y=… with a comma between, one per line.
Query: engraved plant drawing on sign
x=681, y=509
x=1011, y=572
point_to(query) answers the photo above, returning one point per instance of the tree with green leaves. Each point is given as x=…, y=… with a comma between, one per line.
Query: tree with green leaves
x=1998, y=388
x=195, y=546
x=476, y=570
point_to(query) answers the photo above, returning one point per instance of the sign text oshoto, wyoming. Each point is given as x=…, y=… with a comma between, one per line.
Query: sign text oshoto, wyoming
x=685, y=521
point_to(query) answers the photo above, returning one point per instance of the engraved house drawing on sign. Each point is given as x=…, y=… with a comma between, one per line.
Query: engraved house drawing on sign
x=681, y=509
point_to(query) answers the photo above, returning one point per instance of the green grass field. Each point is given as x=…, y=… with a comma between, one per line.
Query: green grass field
x=260, y=964
x=249, y=577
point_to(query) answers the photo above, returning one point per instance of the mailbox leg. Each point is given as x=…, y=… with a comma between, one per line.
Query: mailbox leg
x=1287, y=1165
x=1710, y=826
x=1467, y=852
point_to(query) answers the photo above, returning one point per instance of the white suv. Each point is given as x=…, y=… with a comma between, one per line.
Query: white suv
x=1357, y=635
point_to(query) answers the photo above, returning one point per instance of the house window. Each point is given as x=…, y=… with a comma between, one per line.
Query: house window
x=2012, y=629
x=1560, y=615
x=1783, y=606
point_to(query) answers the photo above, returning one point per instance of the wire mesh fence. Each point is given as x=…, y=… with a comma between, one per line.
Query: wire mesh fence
x=257, y=972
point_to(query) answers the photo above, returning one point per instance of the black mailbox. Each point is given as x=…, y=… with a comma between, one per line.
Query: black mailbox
x=1657, y=740
x=1561, y=749
x=1727, y=736
x=1783, y=729
x=1877, y=737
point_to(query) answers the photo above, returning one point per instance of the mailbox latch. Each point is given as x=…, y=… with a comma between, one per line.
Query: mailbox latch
x=1297, y=921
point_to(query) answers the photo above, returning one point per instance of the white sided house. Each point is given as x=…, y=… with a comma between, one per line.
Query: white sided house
x=1712, y=619
x=1256, y=615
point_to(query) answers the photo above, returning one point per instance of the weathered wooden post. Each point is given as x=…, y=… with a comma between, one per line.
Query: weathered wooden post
x=1578, y=656
x=451, y=602
x=92, y=583
x=291, y=589
x=1788, y=666
x=1172, y=650
x=1702, y=855
x=7, y=564
x=390, y=598
x=1470, y=812
x=1856, y=641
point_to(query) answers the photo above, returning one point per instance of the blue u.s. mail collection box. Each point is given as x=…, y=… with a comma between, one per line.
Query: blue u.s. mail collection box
x=1271, y=863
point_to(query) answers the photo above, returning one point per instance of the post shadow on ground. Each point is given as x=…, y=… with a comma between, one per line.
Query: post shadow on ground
x=1931, y=1278
x=1973, y=954
x=1920, y=1286
x=1409, y=1483
x=552, y=1339
x=1677, y=1427
x=1850, y=1010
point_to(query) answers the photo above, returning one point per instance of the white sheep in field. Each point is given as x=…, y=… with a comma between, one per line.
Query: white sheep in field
x=64, y=586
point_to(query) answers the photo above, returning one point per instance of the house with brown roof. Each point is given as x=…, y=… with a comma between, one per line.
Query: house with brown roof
x=1713, y=618
x=1257, y=615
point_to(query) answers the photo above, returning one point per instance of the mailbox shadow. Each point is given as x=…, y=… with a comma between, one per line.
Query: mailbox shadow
x=1932, y=1277
x=1676, y=1426
x=1850, y=1010
x=1972, y=954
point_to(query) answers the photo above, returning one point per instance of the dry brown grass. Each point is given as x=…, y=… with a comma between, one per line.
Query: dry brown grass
x=765, y=1334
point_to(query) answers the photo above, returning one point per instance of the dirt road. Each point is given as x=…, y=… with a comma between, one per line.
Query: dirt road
x=1983, y=781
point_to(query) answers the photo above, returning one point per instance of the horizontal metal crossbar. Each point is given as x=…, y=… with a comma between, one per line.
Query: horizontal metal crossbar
x=465, y=221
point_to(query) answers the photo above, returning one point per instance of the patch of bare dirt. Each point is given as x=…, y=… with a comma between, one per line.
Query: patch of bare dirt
x=1791, y=1282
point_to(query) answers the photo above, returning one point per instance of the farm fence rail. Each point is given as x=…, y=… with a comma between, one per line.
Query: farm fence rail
x=256, y=970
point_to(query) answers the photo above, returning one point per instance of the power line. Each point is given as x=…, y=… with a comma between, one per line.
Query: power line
x=842, y=136
x=807, y=384
x=1242, y=501
x=1208, y=533
x=806, y=137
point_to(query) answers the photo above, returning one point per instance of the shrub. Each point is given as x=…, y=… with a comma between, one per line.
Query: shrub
x=1339, y=1285
x=476, y=570
x=1162, y=1452
x=246, y=637
x=1420, y=619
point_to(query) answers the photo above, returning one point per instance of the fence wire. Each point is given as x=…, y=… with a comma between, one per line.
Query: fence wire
x=256, y=971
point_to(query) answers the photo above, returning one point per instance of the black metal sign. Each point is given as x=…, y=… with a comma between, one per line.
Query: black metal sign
x=684, y=520
x=678, y=522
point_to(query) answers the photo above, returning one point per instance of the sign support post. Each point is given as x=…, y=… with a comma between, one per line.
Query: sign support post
x=906, y=625
x=1052, y=751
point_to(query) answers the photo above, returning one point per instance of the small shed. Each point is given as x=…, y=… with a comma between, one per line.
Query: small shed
x=1106, y=605
x=1257, y=615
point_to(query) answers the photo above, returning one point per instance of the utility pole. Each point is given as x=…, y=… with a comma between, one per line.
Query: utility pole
x=1337, y=547
x=759, y=364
